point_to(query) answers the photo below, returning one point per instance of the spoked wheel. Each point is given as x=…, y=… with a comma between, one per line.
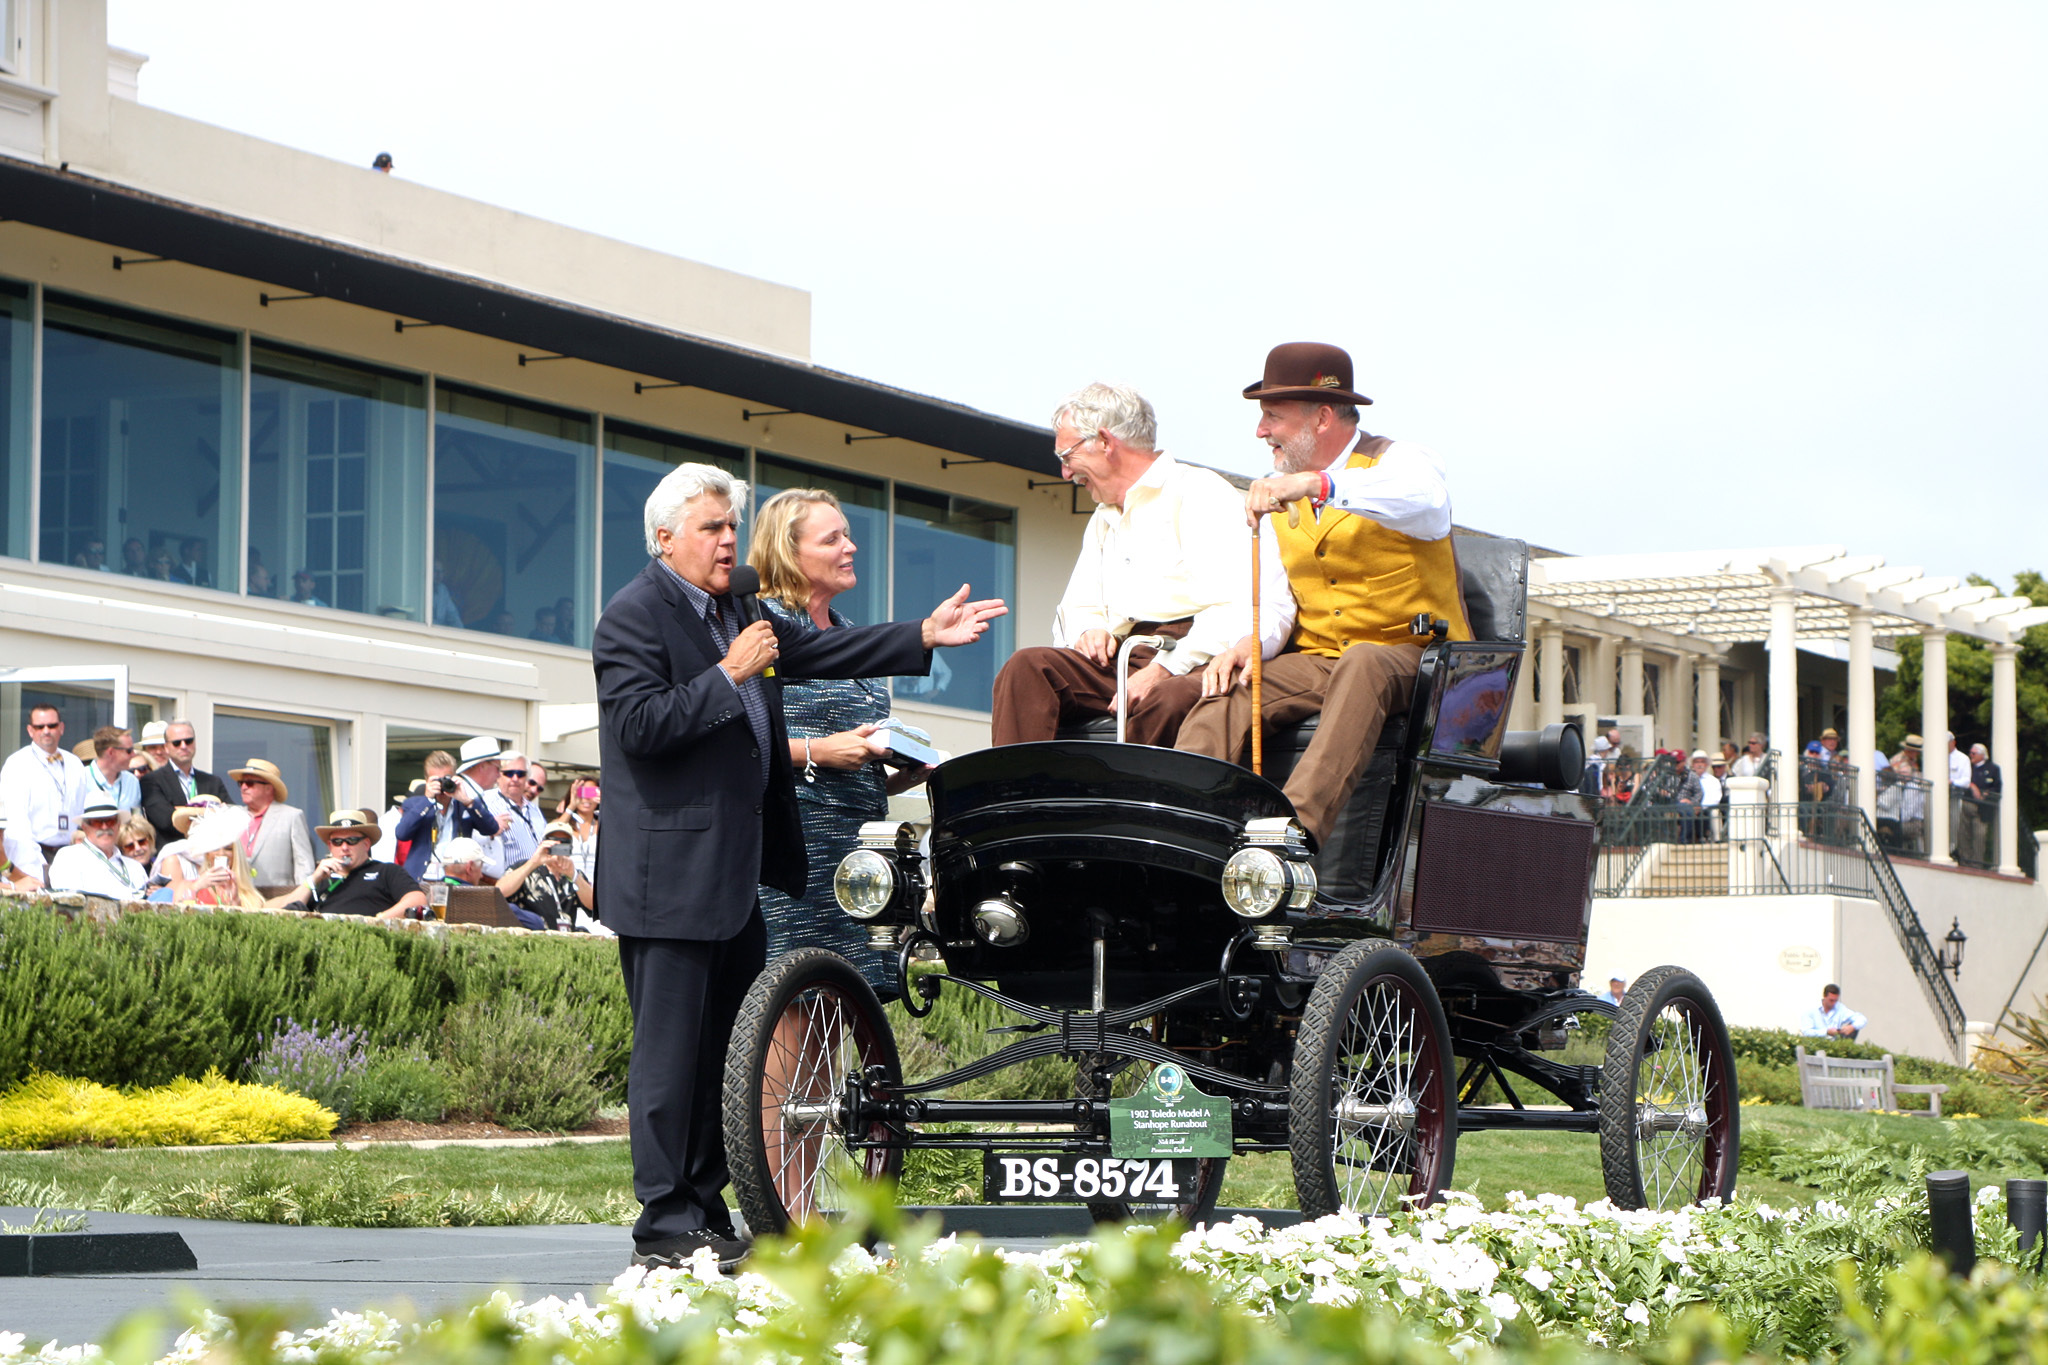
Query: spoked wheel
x=1372, y=1116
x=1209, y=1173
x=1670, y=1130
x=809, y=1021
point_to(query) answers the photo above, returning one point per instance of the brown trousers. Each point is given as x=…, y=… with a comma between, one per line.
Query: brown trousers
x=1042, y=688
x=1355, y=693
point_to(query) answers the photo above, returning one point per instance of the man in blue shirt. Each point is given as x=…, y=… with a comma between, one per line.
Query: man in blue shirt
x=1833, y=1019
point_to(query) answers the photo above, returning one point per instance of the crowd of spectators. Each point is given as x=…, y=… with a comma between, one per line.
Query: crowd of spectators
x=139, y=821
x=1694, y=789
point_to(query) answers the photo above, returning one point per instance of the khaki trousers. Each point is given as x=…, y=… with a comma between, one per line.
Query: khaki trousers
x=1042, y=688
x=1355, y=693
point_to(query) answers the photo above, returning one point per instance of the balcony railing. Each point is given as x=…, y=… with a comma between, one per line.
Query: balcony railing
x=1807, y=848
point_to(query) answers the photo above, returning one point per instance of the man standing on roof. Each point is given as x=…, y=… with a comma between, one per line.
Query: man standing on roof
x=1374, y=553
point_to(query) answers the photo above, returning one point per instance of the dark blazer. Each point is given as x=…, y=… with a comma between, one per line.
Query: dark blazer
x=161, y=796
x=420, y=817
x=689, y=831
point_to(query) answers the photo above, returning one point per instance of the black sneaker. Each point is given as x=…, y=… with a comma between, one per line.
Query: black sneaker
x=674, y=1253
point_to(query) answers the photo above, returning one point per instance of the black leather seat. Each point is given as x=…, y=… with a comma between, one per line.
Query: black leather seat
x=1493, y=578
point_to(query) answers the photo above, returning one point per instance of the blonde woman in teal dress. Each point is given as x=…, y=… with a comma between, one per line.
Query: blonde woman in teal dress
x=804, y=553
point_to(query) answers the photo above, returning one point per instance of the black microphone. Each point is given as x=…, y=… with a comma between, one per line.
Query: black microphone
x=746, y=586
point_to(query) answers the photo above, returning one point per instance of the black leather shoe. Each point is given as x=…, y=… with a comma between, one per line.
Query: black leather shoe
x=674, y=1253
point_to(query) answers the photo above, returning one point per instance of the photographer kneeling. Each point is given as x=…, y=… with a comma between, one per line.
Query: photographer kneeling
x=548, y=888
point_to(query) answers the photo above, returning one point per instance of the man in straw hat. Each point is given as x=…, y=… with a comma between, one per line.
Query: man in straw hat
x=95, y=864
x=1372, y=554
x=350, y=882
x=1152, y=562
x=277, y=844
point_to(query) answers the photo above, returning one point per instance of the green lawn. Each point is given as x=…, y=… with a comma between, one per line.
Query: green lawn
x=592, y=1182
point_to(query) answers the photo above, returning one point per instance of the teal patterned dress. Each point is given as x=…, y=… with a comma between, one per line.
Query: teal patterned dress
x=833, y=807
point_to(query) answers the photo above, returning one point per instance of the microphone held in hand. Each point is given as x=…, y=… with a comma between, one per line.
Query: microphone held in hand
x=746, y=588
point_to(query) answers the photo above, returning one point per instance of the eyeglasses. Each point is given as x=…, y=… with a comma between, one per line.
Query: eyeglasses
x=52, y=725
x=131, y=845
x=251, y=782
x=511, y=772
x=181, y=743
x=1064, y=455
x=347, y=840
x=101, y=824
x=120, y=748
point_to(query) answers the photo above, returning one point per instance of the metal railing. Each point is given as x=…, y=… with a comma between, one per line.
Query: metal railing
x=1807, y=848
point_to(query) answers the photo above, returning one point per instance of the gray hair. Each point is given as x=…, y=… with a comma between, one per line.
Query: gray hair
x=681, y=484
x=1117, y=409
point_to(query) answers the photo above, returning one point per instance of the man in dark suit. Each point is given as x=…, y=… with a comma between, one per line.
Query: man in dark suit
x=700, y=809
x=178, y=782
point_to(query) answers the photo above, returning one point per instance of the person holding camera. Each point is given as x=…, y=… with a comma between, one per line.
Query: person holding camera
x=449, y=807
x=549, y=884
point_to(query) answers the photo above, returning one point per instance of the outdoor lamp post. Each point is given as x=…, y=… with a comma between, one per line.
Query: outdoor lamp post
x=1950, y=958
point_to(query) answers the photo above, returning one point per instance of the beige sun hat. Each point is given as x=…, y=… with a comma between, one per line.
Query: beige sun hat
x=344, y=820
x=183, y=816
x=262, y=770
x=217, y=828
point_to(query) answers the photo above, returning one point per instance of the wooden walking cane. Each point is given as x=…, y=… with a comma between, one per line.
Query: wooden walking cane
x=1258, y=661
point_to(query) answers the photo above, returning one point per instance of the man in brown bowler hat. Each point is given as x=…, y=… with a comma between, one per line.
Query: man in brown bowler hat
x=1372, y=554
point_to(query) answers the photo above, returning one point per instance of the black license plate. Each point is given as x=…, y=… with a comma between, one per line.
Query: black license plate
x=1011, y=1178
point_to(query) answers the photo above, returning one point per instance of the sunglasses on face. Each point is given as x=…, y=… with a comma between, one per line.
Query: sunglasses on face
x=346, y=840
x=181, y=743
x=101, y=824
x=49, y=725
x=511, y=772
x=251, y=782
x=130, y=845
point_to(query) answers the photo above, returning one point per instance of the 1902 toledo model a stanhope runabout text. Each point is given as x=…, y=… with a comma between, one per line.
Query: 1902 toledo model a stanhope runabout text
x=1221, y=987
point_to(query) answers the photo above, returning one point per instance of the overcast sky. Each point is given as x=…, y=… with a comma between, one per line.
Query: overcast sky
x=1647, y=277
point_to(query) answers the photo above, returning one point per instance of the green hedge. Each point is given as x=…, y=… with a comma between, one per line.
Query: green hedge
x=1766, y=1068
x=146, y=998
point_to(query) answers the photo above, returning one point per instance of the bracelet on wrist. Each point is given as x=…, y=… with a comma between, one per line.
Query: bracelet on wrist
x=810, y=764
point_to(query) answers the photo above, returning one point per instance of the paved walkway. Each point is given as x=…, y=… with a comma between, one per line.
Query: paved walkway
x=309, y=1272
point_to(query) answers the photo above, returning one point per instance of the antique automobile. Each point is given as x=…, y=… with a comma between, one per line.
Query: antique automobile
x=1223, y=986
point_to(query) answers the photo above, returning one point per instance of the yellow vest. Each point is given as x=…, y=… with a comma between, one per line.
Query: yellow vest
x=1354, y=580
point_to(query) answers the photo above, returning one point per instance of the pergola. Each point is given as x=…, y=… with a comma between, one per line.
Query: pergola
x=1783, y=594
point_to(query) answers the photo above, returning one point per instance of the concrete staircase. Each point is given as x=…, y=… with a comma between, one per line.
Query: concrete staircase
x=1686, y=870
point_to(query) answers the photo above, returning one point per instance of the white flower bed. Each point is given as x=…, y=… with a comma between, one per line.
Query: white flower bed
x=1456, y=1272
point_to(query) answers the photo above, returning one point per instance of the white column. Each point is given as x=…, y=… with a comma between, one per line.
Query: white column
x=1747, y=834
x=1934, y=729
x=1630, y=702
x=1862, y=710
x=2005, y=752
x=1596, y=680
x=1674, y=703
x=1550, y=678
x=1782, y=704
x=1707, y=718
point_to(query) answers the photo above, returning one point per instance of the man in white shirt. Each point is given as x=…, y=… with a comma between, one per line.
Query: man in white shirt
x=1958, y=783
x=1750, y=762
x=1833, y=1019
x=107, y=772
x=95, y=865
x=519, y=820
x=1163, y=554
x=44, y=787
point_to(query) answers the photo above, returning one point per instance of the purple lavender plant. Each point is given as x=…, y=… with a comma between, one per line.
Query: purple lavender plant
x=324, y=1067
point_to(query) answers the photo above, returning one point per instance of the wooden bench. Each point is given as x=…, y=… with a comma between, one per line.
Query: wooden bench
x=1852, y=1083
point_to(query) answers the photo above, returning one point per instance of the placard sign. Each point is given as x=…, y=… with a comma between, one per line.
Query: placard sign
x=1169, y=1117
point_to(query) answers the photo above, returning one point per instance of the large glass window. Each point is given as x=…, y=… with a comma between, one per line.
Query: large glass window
x=17, y=359
x=866, y=504
x=142, y=450
x=636, y=459
x=337, y=484
x=514, y=529
x=942, y=542
x=302, y=750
